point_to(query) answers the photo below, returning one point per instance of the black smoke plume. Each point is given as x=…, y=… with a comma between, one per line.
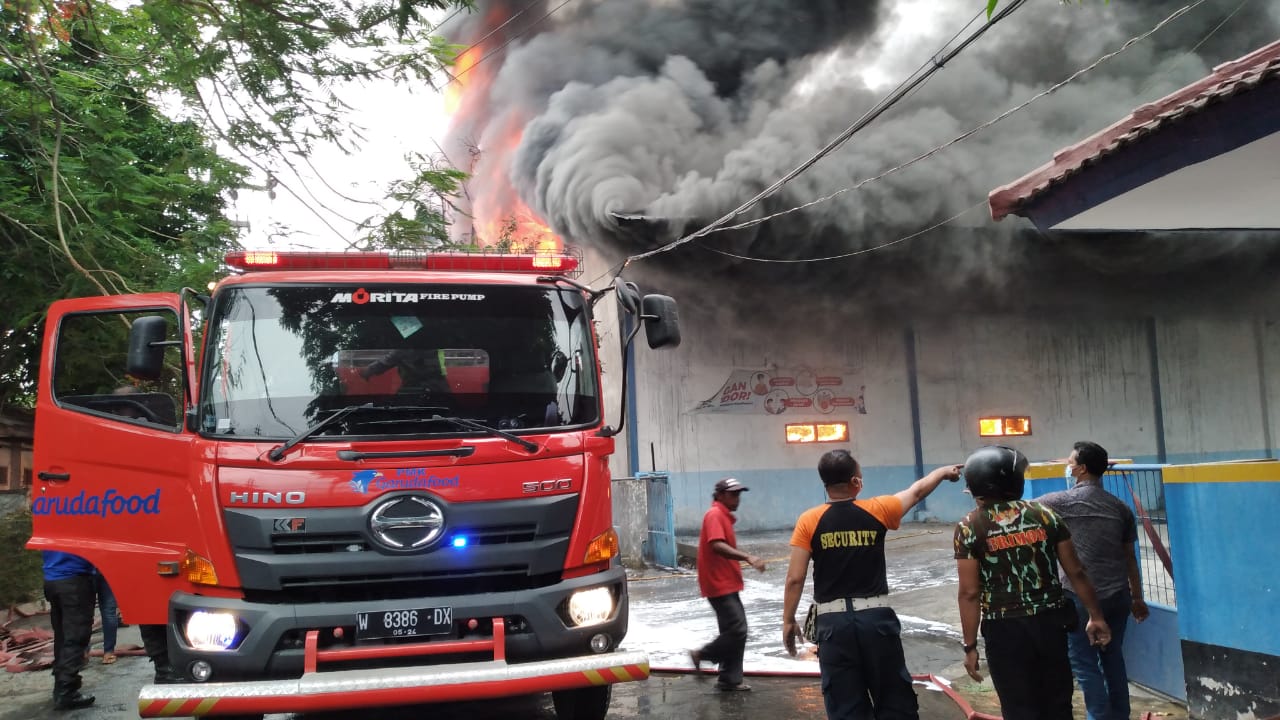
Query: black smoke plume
x=643, y=120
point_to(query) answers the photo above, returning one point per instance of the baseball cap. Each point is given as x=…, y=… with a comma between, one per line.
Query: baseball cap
x=730, y=485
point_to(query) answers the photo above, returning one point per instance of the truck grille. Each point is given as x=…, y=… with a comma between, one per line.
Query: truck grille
x=327, y=554
x=356, y=542
x=381, y=587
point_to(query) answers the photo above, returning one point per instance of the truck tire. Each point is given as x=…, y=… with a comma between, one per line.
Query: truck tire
x=590, y=703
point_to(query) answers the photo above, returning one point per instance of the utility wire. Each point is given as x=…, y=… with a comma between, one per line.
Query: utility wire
x=511, y=39
x=852, y=253
x=938, y=61
x=450, y=16
x=966, y=135
x=505, y=23
x=1218, y=27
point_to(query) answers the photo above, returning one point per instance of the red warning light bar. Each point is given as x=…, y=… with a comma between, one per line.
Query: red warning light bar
x=540, y=263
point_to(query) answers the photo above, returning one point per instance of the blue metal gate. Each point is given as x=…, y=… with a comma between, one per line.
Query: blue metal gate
x=660, y=542
x=1152, y=649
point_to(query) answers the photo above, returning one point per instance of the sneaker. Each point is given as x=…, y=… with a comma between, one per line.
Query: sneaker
x=726, y=687
x=72, y=701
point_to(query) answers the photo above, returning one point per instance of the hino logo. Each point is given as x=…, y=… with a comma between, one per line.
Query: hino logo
x=293, y=497
x=408, y=522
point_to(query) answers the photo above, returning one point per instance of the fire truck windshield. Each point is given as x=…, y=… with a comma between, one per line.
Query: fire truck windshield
x=279, y=359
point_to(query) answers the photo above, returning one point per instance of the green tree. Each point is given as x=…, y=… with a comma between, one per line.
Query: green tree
x=113, y=116
x=21, y=574
x=425, y=201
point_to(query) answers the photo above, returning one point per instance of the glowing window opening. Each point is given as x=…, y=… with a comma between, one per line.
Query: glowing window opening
x=1004, y=426
x=817, y=432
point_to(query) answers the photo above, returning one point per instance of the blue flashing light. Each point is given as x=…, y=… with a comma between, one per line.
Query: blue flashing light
x=459, y=541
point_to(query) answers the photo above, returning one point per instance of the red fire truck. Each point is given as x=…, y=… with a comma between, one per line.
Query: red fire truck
x=349, y=479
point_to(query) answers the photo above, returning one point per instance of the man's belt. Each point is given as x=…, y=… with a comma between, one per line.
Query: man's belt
x=845, y=604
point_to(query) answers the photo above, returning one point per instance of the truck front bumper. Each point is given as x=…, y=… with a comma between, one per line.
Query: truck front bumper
x=344, y=689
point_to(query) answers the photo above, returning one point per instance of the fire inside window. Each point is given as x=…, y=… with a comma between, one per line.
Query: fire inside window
x=1004, y=426
x=817, y=432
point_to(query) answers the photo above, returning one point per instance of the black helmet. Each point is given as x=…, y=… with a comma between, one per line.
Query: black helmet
x=995, y=473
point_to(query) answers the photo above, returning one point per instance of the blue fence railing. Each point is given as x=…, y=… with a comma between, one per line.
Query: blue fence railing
x=1141, y=487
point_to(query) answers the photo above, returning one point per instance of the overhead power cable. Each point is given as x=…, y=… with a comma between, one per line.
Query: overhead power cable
x=959, y=138
x=937, y=63
x=852, y=253
x=509, y=40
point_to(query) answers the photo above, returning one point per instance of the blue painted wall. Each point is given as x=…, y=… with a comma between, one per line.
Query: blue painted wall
x=1226, y=555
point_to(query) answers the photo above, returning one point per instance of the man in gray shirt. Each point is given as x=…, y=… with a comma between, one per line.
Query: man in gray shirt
x=1104, y=532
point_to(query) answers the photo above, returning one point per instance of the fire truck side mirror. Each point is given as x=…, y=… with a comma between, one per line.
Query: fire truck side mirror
x=661, y=321
x=146, y=347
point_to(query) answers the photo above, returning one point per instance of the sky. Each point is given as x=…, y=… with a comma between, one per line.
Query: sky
x=394, y=122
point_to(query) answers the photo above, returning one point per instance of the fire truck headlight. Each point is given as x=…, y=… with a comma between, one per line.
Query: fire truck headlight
x=211, y=631
x=590, y=607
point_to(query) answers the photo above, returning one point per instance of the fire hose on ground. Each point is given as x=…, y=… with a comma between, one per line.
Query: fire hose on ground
x=930, y=680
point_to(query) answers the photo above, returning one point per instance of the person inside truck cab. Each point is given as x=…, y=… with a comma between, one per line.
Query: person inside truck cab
x=422, y=372
x=135, y=404
x=126, y=407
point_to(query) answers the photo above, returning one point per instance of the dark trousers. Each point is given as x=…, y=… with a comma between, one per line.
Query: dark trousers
x=1027, y=658
x=71, y=614
x=864, y=671
x=155, y=640
x=727, y=649
x=1101, y=672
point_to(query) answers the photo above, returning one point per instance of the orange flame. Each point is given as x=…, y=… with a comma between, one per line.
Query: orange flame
x=491, y=134
x=520, y=229
x=461, y=67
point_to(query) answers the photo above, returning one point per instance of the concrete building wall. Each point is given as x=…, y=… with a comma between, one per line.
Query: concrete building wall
x=1212, y=390
x=1190, y=389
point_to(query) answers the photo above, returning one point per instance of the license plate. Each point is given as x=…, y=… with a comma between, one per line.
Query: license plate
x=417, y=622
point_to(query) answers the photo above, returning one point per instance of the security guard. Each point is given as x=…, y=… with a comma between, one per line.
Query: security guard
x=864, y=671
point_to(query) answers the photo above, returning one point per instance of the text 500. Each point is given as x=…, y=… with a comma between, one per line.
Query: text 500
x=547, y=486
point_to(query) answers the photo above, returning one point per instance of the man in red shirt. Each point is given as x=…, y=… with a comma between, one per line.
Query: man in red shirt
x=720, y=580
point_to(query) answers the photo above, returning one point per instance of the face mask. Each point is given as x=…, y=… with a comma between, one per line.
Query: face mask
x=1071, y=479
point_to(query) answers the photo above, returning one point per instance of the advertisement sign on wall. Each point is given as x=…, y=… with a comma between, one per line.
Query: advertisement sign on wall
x=776, y=391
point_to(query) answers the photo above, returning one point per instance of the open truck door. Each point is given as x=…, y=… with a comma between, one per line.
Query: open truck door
x=114, y=480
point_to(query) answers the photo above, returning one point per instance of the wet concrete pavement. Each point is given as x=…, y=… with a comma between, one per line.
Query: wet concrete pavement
x=667, y=619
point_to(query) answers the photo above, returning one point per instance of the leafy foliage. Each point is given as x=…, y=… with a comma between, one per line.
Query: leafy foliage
x=113, y=117
x=21, y=573
x=424, y=199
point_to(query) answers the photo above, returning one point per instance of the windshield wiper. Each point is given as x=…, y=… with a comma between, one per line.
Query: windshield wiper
x=278, y=452
x=463, y=422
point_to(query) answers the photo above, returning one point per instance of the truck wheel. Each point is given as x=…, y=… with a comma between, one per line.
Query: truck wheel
x=590, y=703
